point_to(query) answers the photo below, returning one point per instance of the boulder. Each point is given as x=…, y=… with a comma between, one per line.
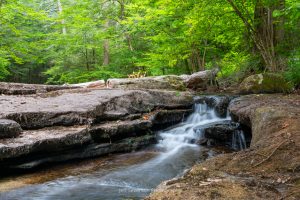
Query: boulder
x=169, y=82
x=196, y=81
x=216, y=132
x=92, y=84
x=200, y=80
x=9, y=128
x=265, y=83
x=220, y=131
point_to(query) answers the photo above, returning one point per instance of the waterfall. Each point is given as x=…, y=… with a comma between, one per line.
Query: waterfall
x=183, y=135
x=176, y=151
x=238, y=140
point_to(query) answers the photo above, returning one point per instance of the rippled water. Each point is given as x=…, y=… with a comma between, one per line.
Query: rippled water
x=176, y=153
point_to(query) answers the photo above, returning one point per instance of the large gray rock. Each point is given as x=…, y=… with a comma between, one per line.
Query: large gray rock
x=85, y=106
x=197, y=81
x=265, y=83
x=9, y=128
x=26, y=89
x=83, y=123
x=220, y=131
x=169, y=82
x=200, y=80
x=57, y=144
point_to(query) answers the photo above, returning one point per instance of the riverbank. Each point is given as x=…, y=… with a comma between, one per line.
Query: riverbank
x=269, y=169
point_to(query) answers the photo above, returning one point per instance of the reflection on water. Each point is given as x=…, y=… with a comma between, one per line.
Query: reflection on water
x=176, y=153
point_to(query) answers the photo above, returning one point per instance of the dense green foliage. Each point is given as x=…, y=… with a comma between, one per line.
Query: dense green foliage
x=70, y=41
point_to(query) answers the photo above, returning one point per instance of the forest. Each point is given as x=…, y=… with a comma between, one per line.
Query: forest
x=72, y=41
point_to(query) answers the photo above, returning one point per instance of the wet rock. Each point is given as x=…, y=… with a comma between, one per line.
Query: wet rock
x=165, y=118
x=70, y=124
x=52, y=139
x=220, y=131
x=9, y=128
x=216, y=133
x=113, y=131
x=79, y=152
x=265, y=83
x=219, y=103
x=274, y=153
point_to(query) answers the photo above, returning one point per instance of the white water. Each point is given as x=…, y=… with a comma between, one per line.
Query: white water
x=238, y=140
x=177, y=153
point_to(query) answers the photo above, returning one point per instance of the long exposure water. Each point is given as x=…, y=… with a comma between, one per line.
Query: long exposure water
x=176, y=153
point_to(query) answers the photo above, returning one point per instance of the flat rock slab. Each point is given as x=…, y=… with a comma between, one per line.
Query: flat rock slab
x=47, y=139
x=9, y=128
x=117, y=130
x=85, y=106
x=26, y=89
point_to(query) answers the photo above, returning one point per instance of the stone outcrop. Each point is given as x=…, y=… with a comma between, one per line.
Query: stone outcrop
x=268, y=170
x=80, y=123
x=200, y=80
x=265, y=83
x=86, y=106
x=196, y=81
x=9, y=128
x=26, y=89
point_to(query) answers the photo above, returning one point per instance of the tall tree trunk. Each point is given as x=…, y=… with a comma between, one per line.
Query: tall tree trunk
x=261, y=32
x=87, y=59
x=279, y=25
x=60, y=11
x=122, y=17
x=264, y=34
x=106, y=52
x=187, y=67
x=106, y=48
x=94, y=56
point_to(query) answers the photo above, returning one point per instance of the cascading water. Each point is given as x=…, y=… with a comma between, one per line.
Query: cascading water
x=238, y=140
x=177, y=152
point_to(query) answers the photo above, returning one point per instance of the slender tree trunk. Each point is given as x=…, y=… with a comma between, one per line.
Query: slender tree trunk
x=279, y=25
x=60, y=11
x=94, y=56
x=186, y=62
x=122, y=17
x=106, y=48
x=106, y=52
x=198, y=60
x=87, y=59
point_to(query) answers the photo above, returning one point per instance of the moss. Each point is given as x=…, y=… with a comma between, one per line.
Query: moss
x=265, y=83
x=176, y=82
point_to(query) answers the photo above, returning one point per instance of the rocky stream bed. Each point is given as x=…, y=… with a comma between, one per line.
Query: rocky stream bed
x=116, y=143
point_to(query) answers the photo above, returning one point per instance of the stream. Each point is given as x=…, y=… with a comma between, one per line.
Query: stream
x=175, y=152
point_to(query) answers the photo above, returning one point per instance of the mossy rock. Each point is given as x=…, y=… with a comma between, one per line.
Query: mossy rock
x=175, y=82
x=265, y=83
